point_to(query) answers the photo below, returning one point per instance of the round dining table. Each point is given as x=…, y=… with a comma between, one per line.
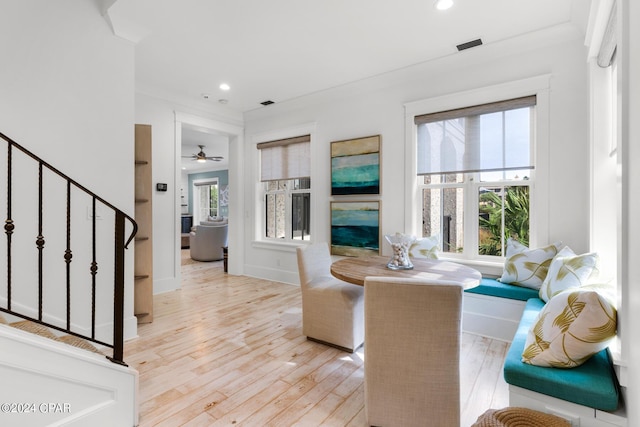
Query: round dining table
x=356, y=269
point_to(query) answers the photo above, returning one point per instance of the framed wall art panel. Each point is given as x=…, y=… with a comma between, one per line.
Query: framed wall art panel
x=355, y=228
x=355, y=166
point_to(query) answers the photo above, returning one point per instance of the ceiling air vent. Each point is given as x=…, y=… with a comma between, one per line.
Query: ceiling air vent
x=266, y=102
x=468, y=45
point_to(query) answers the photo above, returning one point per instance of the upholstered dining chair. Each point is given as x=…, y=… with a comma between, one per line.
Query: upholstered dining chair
x=412, y=352
x=332, y=310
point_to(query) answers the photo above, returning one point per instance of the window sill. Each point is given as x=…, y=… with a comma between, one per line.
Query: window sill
x=283, y=246
x=487, y=268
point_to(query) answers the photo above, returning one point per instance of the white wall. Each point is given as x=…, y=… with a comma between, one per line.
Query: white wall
x=375, y=106
x=66, y=93
x=184, y=187
x=160, y=116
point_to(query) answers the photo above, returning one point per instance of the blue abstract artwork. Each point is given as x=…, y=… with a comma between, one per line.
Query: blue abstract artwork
x=355, y=228
x=355, y=166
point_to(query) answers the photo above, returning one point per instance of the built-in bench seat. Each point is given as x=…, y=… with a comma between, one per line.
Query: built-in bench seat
x=591, y=384
x=495, y=288
x=588, y=394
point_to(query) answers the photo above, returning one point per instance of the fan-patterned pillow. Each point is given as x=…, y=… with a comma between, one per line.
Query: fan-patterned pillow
x=567, y=271
x=514, y=246
x=570, y=328
x=529, y=267
x=427, y=247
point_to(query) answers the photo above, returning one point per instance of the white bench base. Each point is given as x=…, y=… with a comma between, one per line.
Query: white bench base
x=492, y=317
x=578, y=415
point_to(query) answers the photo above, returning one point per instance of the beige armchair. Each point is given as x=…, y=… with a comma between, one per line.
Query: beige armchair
x=206, y=242
x=332, y=310
x=412, y=352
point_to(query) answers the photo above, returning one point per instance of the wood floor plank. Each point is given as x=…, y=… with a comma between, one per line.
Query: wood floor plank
x=324, y=385
x=228, y=350
x=279, y=404
x=239, y=414
x=320, y=411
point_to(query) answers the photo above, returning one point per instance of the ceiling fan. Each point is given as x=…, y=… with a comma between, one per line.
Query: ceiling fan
x=202, y=157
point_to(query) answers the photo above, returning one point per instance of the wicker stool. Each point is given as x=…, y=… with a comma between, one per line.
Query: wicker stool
x=519, y=417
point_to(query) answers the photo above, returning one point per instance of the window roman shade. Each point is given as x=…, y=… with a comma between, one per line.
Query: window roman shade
x=285, y=158
x=207, y=182
x=488, y=137
x=609, y=41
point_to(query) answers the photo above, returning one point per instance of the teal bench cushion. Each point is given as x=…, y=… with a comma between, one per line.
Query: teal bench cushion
x=494, y=288
x=592, y=384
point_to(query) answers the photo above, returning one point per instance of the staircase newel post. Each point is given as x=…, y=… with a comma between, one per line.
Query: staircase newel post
x=118, y=302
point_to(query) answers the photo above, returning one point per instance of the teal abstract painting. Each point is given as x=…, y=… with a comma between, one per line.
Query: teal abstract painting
x=355, y=228
x=355, y=166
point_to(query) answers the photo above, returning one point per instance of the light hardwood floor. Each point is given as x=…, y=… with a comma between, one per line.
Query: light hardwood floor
x=228, y=350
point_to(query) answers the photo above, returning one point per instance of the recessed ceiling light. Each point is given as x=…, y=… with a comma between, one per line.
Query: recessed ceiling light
x=205, y=96
x=224, y=86
x=223, y=101
x=443, y=4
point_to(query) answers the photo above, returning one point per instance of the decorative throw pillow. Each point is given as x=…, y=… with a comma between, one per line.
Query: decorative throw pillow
x=427, y=247
x=529, y=267
x=567, y=271
x=570, y=328
x=514, y=247
x=606, y=290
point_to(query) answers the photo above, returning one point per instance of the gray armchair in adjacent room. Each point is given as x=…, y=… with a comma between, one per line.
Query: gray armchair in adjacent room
x=412, y=352
x=332, y=310
x=207, y=241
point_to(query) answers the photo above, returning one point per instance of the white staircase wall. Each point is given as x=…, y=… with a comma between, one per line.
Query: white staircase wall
x=47, y=383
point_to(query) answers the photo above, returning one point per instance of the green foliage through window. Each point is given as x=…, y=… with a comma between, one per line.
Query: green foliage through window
x=510, y=204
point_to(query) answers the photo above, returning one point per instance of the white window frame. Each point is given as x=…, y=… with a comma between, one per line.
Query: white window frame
x=196, y=197
x=605, y=136
x=471, y=198
x=539, y=205
x=288, y=193
x=260, y=239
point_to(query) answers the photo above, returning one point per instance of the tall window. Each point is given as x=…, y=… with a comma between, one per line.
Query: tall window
x=285, y=170
x=475, y=175
x=206, y=198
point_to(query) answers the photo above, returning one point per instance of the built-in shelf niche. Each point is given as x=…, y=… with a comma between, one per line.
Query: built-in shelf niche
x=143, y=270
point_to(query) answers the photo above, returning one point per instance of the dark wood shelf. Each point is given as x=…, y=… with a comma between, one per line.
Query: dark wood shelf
x=141, y=238
x=141, y=276
x=142, y=162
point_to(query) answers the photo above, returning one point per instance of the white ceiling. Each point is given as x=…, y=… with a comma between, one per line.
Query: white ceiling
x=282, y=49
x=214, y=145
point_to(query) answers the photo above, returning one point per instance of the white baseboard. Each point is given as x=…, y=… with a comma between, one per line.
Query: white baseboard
x=168, y=284
x=288, y=277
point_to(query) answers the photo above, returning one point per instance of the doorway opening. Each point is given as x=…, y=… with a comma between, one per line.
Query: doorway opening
x=221, y=144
